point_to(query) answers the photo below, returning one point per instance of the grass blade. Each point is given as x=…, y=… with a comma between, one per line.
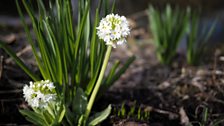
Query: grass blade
x=18, y=61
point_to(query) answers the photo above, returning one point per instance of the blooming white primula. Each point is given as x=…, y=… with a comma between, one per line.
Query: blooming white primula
x=113, y=29
x=40, y=94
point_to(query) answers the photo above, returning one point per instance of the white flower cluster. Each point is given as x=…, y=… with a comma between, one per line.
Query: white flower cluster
x=113, y=29
x=39, y=94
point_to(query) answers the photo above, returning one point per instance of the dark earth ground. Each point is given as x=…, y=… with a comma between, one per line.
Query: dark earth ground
x=174, y=96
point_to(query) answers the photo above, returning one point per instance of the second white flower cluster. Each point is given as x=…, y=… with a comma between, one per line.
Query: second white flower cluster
x=39, y=94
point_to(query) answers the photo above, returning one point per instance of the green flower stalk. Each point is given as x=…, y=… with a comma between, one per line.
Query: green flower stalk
x=113, y=29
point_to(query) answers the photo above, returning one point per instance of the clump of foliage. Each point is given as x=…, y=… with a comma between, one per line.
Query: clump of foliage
x=197, y=36
x=72, y=61
x=132, y=112
x=168, y=27
x=205, y=117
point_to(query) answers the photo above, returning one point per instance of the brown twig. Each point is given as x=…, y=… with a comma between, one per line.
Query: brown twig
x=21, y=52
x=1, y=66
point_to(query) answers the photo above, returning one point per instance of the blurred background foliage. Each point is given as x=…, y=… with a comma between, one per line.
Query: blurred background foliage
x=127, y=7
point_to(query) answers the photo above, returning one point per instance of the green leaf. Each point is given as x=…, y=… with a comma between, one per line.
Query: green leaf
x=197, y=37
x=18, y=61
x=113, y=7
x=168, y=28
x=61, y=114
x=116, y=76
x=33, y=117
x=69, y=117
x=79, y=102
x=48, y=117
x=29, y=37
x=99, y=117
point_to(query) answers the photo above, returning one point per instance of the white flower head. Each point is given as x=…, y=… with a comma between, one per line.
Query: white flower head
x=113, y=29
x=40, y=94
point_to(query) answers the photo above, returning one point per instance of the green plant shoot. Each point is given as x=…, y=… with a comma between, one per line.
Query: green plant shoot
x=197, y=36
x=167, y=27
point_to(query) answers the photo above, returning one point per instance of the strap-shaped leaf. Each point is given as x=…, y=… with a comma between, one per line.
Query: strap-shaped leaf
x=61, y=114
x=18, y=61
x=113, y=76
x=48, y=117
x=29, y=37
x=33, y=117
x=99, y=117
x=168, y=28
x=69, y=117
x=79, y=102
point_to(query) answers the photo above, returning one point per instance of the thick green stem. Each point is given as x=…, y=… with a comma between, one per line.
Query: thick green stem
x=98, y=83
